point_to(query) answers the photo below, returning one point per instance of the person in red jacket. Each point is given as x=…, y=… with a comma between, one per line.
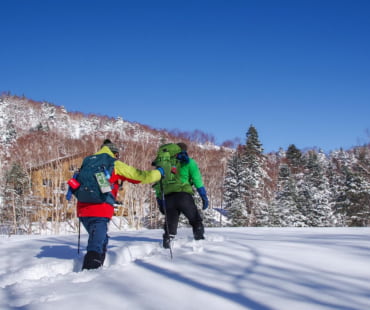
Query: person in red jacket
x=96, y=216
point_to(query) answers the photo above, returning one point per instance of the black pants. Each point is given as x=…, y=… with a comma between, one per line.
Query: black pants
x=177, y=203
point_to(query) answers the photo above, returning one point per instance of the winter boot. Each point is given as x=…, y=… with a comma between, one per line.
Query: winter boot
x=92, y=260
x=198, y=232
x=167, y=240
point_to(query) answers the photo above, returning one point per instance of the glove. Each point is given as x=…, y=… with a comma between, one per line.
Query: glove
x=160, y=204
x=69, y=193
x=203, y=194
x=161, y=170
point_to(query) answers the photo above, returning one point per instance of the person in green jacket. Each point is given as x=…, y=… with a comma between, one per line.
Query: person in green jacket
x=182, y=201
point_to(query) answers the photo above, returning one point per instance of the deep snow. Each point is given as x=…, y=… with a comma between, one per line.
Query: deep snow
x=234, y=268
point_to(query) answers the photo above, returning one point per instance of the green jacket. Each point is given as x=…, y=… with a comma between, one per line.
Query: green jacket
x=190, y=173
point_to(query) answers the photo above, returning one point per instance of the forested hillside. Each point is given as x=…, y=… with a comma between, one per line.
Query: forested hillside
x=295, y=188
x=288, y=188
x=36, y=133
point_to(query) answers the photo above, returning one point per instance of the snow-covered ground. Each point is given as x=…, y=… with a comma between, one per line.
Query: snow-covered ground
x=234, y=268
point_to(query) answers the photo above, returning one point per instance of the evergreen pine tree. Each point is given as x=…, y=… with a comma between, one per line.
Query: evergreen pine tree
x=352, y=192
x=295, y=158
x=252, y=178
x=317, y=209
x=284, y=202
x=358, y=194
x=238, y=213
x=253, y=145
x=291, y=202
x=233, y=191
x=16, y=189
x=338, y=165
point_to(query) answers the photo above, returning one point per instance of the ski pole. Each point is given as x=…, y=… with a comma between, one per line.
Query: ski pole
x=79, y=236
x=165, y=214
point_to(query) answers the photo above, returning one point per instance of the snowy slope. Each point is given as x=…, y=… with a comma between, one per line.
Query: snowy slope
x=234, y=268
x=25, y=116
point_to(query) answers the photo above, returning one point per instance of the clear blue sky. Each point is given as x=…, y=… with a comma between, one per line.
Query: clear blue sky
x=299, y=71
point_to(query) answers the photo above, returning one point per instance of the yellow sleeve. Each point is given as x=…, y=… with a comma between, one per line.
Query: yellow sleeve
x=131, y=173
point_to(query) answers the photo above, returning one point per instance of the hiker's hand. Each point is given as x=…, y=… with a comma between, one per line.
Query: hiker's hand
x=161, y=170
x=160, y=204
x=203, y=194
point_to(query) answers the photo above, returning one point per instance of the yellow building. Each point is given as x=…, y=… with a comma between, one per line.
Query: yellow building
x=49, y=185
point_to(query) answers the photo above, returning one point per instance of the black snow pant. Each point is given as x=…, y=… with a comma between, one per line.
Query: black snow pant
x=177, y=203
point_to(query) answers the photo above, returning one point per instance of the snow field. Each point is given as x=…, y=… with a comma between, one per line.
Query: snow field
x=233, y=268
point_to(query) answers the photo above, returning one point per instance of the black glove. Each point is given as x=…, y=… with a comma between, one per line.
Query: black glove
x=203, y=194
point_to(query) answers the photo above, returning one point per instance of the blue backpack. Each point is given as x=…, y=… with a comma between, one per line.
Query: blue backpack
x=93, y=169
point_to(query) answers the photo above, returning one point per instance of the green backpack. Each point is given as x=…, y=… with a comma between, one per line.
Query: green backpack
x=167, y=159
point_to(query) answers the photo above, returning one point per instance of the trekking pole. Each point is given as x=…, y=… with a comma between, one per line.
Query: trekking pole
x=165, y=214
x=79, y=237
